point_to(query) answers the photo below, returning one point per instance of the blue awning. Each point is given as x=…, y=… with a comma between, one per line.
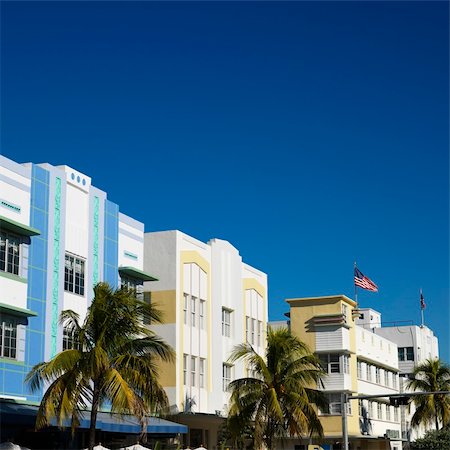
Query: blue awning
x=114, y=423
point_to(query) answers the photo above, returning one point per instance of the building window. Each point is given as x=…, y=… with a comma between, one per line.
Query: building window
x=193, y=305
x=226, y=322
x=253, y=331
x=369, y=372
x=388, y=413
x=359, y=369
x=330, y=363
x=202, y=373
x=377, y=375
x=193, y=361
x=226, y=376
x=346, y=363
x=379, y=411
x=394, y=380
x=133, y=284
x=185, y=307
x=9, y=253
x=406, y=354
x=247, y=329
x=371, y=408
x=344, y=312
x=185, y=368
x=395, y=414
x=8, y=338
x=386, y=378
x=74, y=275
x=335, y=405
x=69, y=340
x=259, y=332
x=202, y=314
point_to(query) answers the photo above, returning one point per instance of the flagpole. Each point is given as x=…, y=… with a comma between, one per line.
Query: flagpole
x=356, y=287
x=421, y=309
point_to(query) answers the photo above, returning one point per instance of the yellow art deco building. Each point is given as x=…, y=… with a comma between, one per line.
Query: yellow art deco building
x=357, y=361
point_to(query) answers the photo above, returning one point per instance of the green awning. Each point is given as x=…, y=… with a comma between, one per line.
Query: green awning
x=17, y=227
x=136, y=273
x=16, y=311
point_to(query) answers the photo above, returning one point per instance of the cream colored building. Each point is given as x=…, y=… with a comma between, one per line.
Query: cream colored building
x=357, y=361
x=211, y=302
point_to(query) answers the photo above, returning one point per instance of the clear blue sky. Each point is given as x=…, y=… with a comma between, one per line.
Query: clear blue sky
x=309, y=135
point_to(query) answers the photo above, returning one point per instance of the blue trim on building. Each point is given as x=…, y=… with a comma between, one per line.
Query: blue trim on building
x=111, y=244
x=13, y=374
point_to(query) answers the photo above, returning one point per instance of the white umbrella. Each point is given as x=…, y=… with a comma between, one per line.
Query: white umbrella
x=137, y=447
x=200, y=448
x=97, y=447
x=10, y=446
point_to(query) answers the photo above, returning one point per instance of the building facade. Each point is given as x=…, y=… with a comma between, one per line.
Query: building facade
x=415, y=345
x=357, y=362
x=211, y=302
x=59, y=237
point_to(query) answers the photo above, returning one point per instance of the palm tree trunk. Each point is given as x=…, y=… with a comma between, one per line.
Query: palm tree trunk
x=437, y=422
x=94, y=410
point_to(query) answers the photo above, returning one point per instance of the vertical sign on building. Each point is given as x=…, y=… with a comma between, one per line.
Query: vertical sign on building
x=55, y=275
x=95, y=252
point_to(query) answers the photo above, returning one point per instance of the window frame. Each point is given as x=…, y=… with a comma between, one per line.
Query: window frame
x=226, y=322
x=70, y=274
x=9, y=324
x=10, y=260
x=226, y=375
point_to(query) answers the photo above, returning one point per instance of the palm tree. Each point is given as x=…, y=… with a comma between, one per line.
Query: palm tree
x=279, y=398
x=430, y=376
x=115, y=360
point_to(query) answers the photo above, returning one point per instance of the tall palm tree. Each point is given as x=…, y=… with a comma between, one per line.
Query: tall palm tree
x=115, y=360
x=279, y=399
x=430, y=376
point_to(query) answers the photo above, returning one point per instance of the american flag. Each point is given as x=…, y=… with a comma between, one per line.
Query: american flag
x=364, y=282
x=422, y=301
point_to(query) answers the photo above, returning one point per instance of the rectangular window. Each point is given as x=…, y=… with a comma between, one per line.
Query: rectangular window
x=193, y=303
x=253, y=331
x=202, y=373
x=74, y=274
x=247, y=329
x=193, y=368
x=8, y=338
x=377, y=375
x=371, y=409
x=259, y=333
x=401, y=354
x=369, y=372
x=346, y=363
x=344, y=312
x=185, y=307
x=334, y=405
x=133, y=284
x=394, y=380
x=330, y=363
x=185, y=369
x=226, y=322
x=395, y=414
x=386, y=378
x=9, y=253
x=226, y=376
x=388, y=413
x=202, y=314
x=359, y=369
x=69, y=340
x=379, y=411
x=409, y=354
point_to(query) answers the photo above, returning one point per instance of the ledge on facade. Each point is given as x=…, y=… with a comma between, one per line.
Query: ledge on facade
x=17, y=227
x=16, y=310
x=136, y=273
